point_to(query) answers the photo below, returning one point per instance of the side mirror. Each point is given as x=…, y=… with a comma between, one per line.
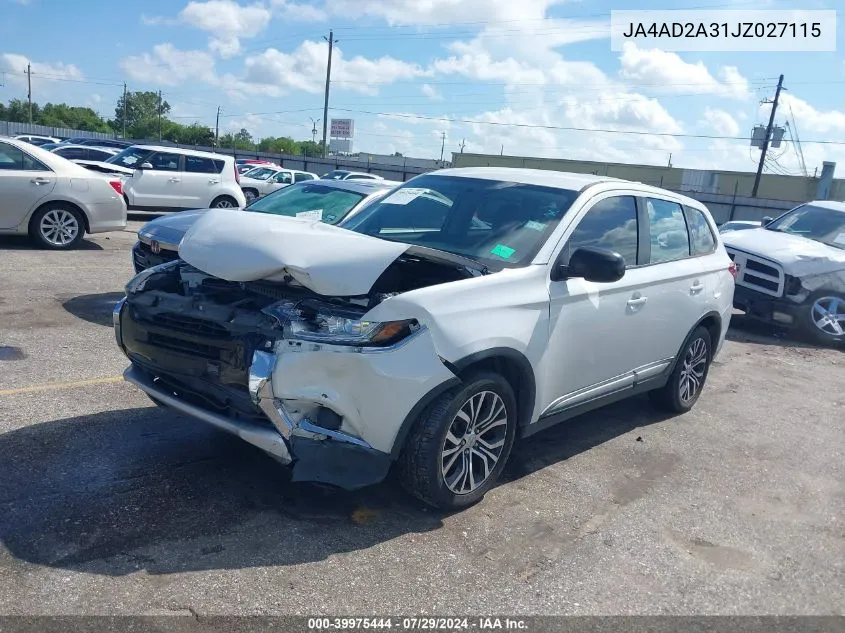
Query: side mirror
x=145, y=166
x=767, y=219
x=591, y=263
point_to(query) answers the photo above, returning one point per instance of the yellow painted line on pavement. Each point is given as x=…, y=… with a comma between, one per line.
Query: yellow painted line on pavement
x=57, y=386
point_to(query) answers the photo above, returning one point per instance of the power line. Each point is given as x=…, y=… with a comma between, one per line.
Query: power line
x=564, y=128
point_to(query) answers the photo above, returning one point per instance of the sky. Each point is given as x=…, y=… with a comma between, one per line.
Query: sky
x=496, y=76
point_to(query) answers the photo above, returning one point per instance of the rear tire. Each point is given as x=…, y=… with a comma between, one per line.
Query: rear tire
x=57, y=226
x=458, y=447
x=224, y=202
x=823, y=318
x=681, y=391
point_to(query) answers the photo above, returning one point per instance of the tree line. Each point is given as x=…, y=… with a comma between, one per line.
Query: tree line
x=145, y=118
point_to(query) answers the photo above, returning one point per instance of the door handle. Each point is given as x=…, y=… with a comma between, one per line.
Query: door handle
x=637, y=301
x=40, y=181
x=173, y=180
x=696, y=287
x=214, y=182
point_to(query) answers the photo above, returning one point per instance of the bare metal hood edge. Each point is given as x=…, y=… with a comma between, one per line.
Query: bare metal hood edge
x=248, y=246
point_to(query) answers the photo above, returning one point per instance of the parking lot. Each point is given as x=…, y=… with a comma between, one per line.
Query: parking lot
x=110, y=505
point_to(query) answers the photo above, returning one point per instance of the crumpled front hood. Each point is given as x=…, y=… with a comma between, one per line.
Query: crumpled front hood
x=248, y=246
x=170, y=229
x=799, y=256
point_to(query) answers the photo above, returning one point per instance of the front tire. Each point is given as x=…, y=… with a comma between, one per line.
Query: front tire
x=57, y=226
x=686, y=382
x=823, y=320
x=224, y=202
x=250, y=195
x=459, y=445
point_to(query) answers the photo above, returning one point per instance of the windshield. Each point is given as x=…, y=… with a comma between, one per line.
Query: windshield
x=259, y=173
x=815, y=223
x=130, y=157
x=499, y=224
x=309, y=200
x=336, y=174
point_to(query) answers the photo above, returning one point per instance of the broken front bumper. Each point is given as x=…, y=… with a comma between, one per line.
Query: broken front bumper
x=302, y=390
x=766, y=308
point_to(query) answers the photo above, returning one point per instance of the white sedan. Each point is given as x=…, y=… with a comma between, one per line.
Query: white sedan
x=263, y=180
x=54, y=200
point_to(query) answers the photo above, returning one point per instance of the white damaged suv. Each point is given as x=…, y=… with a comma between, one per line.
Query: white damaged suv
x=465, y=310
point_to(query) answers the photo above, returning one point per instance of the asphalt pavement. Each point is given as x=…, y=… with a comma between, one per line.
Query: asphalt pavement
x=111, y=505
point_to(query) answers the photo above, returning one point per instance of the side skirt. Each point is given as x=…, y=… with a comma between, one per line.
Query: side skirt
x=552, y=419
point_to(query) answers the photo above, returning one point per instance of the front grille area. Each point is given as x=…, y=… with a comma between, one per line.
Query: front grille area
x=143, y=256
x=191, y=358
x=757, y=273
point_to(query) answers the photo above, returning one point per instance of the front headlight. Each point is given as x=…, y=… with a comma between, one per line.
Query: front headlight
x=308, y=321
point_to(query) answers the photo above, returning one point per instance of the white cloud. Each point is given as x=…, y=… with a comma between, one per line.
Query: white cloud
x=431, y=92
x=275, y=73
x=809, y=118
x=720, y=122
x=14, y=66
x=157, y=20
x=620, y=111
x=169, y=66
x=482, y=67
x=296, y=12
x=428, y=12
x=227, y=21
x=667, y=71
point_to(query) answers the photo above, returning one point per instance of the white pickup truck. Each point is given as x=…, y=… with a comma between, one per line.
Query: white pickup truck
x=791, y=272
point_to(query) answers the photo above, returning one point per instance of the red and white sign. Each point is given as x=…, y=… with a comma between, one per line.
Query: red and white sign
x=342, y=128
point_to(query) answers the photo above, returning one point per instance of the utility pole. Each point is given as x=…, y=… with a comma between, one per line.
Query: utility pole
x=217, y=129
x=332, y=41
x=765, y=147
x=314, y=123
x=124, y=109
x=463, y=144
x=159, y=115
x=29, y=90
x=442, y=145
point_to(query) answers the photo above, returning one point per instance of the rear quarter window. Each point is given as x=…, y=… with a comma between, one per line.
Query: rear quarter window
x=702, y=240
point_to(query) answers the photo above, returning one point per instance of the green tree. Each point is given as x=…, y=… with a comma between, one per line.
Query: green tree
x=75, y=117
x=310, y=148
x=142, y=112
x=18, y=111
x=279, y=145
x=240, y=140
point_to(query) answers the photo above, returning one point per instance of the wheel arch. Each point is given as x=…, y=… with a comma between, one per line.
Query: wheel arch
x=712, y=322
x=509, y=363
x=61, y=203
x=514, y=367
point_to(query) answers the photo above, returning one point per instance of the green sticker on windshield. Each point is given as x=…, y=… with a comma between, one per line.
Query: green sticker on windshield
x=502, y=251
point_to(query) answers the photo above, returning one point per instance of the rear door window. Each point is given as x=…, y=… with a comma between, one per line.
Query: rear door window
x=202, y=165
x=667, y=231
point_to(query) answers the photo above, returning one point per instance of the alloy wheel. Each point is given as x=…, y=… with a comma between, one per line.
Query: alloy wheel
x=474, y=442
x=828, y=315
x=693, y=370
x=59, y=227
x=225, y=203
